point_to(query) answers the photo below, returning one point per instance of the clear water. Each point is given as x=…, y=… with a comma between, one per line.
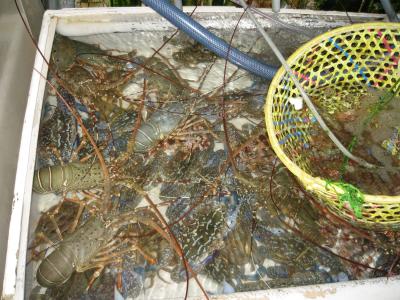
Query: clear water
x=241, y=220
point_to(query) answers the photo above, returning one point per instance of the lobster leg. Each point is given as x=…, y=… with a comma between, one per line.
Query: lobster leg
x=162, y=279
x=53, y=221
x=40, y=238
x=101, y=262
x=74, y=155
x=95, y=275
x=149, y=258
x=79, y=213
x=109, y=254
x=55, y=211
x=193, y=123
x=132, y=246
x=57, y=153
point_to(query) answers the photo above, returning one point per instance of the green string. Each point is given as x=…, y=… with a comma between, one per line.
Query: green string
x=350, y=194
x=382, y=102
x=345, y=163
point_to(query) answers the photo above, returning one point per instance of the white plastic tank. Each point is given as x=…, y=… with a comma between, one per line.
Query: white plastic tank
x=102, y=23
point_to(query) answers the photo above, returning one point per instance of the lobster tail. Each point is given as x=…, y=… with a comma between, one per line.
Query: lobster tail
x=57, y=268
x=71, y=177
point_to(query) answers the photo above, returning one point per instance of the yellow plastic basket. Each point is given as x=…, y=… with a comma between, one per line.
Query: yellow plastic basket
x=342, y=62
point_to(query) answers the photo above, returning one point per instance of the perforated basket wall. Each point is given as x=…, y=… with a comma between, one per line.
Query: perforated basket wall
x=345, y=61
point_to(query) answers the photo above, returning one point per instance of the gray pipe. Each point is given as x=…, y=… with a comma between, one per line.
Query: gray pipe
x=178, y=3
x=389, y=10
x=276, y=6
x=59, y=4
x=213, y=43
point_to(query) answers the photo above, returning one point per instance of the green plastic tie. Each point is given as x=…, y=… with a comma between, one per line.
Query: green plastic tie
x=350, y=194
x=345, y=163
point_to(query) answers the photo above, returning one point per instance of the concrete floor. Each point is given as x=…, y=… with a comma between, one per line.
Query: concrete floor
x=16, y=60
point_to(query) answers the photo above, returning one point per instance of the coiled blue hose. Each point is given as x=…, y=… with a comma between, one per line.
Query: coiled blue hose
x=213, y=43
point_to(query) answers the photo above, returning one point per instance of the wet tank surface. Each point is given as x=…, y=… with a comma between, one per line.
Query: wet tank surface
x=153, y=166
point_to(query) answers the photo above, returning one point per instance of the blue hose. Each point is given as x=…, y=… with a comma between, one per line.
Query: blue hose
x=213, y=43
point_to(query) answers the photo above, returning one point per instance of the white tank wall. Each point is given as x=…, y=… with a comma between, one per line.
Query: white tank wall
x=16, y=61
